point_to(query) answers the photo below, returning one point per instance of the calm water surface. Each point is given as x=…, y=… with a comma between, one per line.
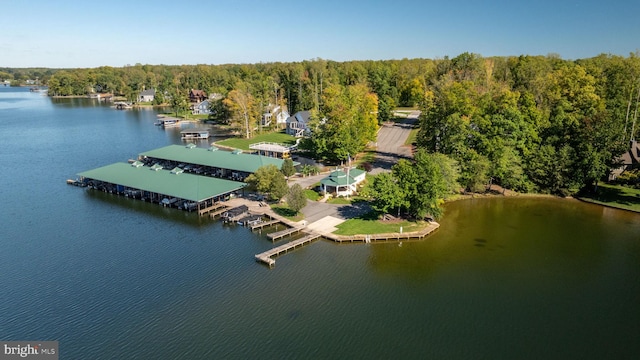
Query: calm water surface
x=113, y=278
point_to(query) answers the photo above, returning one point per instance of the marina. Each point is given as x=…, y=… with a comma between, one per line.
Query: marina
x=158, y=185
x=183, y=177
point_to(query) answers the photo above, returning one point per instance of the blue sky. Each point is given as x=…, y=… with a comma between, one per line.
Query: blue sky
x=45, y=33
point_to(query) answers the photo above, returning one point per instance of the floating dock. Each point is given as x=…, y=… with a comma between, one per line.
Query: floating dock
x=265, y=257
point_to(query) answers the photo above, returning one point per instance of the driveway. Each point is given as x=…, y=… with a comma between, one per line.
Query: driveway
x=306, y=181
x=315, y=210
x=391, y=143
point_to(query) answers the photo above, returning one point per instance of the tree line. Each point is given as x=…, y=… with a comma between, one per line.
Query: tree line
x=529, y=123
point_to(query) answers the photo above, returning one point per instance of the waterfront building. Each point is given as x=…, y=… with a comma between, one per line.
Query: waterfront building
x=341, y=183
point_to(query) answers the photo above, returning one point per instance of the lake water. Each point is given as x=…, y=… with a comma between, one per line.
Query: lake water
x=112, y=278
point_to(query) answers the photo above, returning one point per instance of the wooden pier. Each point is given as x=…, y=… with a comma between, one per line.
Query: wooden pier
x=280, y=234
x=265, y=257
x=264, y=224
x=214, y=207
x=217, y=212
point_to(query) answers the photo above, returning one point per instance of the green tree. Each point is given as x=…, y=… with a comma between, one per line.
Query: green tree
x=158, y=99
x=347, y=123
x=179, y=102
x=474, y=171
x=219, y=111
x=423, y=184
x=287, y=168
x=268, y=180
x=387, y=193
x=296, y=199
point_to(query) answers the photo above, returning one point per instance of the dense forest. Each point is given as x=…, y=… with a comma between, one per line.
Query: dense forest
x=529, y=123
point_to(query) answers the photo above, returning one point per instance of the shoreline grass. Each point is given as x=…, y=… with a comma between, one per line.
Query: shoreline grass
x=359, y=226
x=615, y=196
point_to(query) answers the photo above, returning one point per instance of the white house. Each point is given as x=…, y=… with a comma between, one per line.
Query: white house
x=147, y=95
x=298, y=124
x=343, y=182
x=276, y=112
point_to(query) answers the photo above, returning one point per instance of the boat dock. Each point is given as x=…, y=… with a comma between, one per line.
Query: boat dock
x=214, y=207
x=264, y=224
x=217, y=212
x=265, y=257
x=167, y=121
x=194, y=134
x=280, y=234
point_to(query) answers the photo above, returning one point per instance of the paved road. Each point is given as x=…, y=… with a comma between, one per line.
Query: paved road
x=307, y=181
x=391, y=139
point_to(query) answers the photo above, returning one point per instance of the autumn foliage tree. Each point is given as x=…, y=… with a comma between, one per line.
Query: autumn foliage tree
x=346, y=123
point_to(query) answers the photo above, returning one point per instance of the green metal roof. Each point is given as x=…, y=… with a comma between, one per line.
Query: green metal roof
x=184, y=186
x=339, y=177
x=236, y=161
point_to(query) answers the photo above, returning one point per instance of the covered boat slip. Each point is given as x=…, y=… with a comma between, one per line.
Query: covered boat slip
x=194, y=134
x=213, y=162
x=168, y=187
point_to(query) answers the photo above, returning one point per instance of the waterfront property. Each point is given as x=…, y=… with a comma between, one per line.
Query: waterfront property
x=298, y=124
x=167, y=187
x=341, y=183
x=184, y=177
x=273, y=149
x=233, y=165
x=147, y=95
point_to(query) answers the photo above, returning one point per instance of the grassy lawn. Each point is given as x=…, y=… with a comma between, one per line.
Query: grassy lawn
x=339, y=201
x=412, y=137
x=312, y=195
x=344, y=200
x=366, y=156
x=243, y=144
x=615, y=196
x=374, y=226
x=286, y=212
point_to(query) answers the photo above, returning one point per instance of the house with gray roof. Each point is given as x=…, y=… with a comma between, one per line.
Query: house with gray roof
x=298, y=124
x=147, y=95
